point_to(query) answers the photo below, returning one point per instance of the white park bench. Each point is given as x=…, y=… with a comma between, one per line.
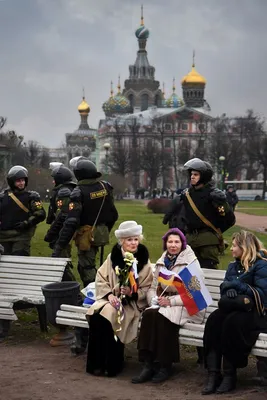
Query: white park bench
x=21, y=279
x=189, y=334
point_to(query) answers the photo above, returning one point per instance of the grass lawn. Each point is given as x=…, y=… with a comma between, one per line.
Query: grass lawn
x=253, y=207
x=152, y=227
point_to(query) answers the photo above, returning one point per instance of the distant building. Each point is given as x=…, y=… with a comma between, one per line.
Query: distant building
x=83, y=141
x=140, y=114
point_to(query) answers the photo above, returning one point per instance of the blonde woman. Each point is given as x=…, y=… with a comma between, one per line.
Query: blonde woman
x=232, y=330
x=114, y=317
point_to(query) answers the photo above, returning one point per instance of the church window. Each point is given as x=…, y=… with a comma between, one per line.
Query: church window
x=144, y=102
x=167, y=143
x=131, y=100
x=157, y=100
x=184, y=127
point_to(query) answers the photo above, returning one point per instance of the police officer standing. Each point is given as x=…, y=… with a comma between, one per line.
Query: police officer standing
x=231, y=196
x=205, y=213
x=90, y=218
x=20, y=211
x=58, y=210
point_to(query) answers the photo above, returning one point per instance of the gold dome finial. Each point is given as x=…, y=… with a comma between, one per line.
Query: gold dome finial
x=119, y=84
x=111, y=89
x=142, y=15
x=83, y=107
x=193, y=64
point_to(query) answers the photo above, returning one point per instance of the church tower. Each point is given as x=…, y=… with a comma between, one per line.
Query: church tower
x=193, y=85
x=141, y=89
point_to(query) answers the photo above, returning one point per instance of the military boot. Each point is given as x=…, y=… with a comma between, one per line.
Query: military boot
x=214, y=373
x=145, y=375
x=80, y=342
x=229, y=378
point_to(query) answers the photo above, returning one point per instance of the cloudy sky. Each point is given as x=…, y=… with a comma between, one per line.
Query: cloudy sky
x=50, y=49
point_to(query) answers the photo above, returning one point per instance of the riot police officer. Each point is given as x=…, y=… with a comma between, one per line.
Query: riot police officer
x=91, y=216
x=58, y=210
x=206, y=201
x=20, y=211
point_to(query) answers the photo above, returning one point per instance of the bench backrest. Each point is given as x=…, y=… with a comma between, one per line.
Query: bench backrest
x=21, y=277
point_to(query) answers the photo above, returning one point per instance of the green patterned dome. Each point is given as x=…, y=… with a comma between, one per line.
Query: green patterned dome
x=174, y=101
x=116, y=104
x=142, y=32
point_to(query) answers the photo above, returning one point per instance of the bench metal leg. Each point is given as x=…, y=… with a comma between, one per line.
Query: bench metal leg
x=262, y=370
x=4, y=328
x=42, y=317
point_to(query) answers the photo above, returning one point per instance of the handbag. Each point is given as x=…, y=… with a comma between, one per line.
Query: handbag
x=241, y=302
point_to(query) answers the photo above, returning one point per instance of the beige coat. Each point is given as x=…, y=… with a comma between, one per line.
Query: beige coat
x=176, y=313
x=107, y=282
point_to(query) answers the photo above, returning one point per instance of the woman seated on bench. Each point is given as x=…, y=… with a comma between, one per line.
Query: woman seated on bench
x=232, y=330
x=121, y=286
x=158, y=339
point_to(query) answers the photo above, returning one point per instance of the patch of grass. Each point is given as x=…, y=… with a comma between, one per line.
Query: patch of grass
x=252, y=207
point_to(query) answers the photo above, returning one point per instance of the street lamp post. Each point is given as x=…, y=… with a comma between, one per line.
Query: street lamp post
x=222, y=159
x=106, y=147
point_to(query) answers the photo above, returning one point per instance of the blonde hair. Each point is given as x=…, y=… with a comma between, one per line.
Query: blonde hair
x=121, y=240
x=252, y=248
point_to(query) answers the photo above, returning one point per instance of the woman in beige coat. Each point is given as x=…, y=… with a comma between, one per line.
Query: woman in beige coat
x=158, y=339
x=114, y=317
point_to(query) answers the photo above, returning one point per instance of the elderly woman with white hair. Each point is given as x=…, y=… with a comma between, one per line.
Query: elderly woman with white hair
x=121, y=286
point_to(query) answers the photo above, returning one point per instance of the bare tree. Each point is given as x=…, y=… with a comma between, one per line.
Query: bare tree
x=150, y=161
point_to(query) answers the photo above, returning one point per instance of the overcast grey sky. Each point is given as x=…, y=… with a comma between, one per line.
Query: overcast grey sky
x=50, y=49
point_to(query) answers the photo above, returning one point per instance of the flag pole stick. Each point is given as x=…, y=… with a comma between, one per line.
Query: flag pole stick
x=164, y=290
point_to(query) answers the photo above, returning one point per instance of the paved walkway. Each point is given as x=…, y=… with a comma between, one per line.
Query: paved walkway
x=254, y=222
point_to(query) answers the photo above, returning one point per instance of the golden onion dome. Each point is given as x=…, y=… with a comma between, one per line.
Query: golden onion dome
x=84, y=107
x=193, y=77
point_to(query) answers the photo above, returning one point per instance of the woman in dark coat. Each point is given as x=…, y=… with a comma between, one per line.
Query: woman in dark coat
x=230, y=335
x=114, y=317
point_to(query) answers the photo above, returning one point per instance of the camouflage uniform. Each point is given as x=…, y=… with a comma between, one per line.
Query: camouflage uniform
x=20, y=212
x=57, y=213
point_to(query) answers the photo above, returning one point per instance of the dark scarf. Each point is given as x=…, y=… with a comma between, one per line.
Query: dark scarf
x=169, y=260
x=141, y=255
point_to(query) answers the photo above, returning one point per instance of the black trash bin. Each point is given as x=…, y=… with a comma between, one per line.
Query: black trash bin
x=56, y=294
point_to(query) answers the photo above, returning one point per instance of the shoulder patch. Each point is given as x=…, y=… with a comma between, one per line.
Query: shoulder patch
x=76, y=194
x=98, y=194
x=64, y=192
x=34, y=195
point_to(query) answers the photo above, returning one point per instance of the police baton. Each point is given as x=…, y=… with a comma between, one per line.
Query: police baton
x=101, y=255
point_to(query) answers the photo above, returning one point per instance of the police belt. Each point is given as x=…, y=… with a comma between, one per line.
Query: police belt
x=199, y=230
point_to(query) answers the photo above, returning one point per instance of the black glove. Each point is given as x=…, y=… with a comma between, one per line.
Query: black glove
x=56, y=252
x=231, y=293
x=21, y=226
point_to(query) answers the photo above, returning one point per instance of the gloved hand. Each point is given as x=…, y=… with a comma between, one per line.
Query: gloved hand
x=21, y=226
x=231, y=293
x=56, y=252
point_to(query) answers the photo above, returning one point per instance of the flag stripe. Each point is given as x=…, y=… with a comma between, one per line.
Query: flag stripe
x=197, y=295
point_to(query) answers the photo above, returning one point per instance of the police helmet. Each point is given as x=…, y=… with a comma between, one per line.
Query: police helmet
x=86, y=169
x=74, y=160
x=61, y=174
x=15, y=173
x=201, y=166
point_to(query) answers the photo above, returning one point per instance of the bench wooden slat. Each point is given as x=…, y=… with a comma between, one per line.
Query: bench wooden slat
x=79, y=309
x=15, y=272
x=16, y=282
x=32, y=267
x=5, y=304
x=8, y=317
x=19, y=289
x=70, y=315
x=72, y=322
x=21, y=260
x=7, y=311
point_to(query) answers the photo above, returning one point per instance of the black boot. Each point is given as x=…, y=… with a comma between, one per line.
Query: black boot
x=214, y=375
x=145, y=375
x=229, y=378
x=261, y=378
x=162, y=375
x=81, y=339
